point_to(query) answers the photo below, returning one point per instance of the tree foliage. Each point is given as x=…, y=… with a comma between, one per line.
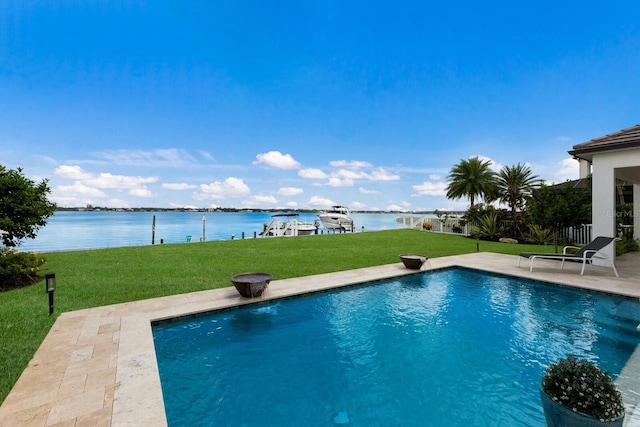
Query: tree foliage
x=515, y=184
x=556, y=208
x=24, y=206
x=472, y=178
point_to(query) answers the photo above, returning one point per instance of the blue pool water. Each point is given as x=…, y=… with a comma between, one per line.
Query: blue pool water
x=450, y=348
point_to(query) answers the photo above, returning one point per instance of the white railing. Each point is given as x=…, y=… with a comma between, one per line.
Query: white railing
x=410, y=221
x=450, y=224
x=579, y=235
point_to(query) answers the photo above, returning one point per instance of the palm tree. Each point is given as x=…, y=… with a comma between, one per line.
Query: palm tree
x=515, y=184
x=472, y=178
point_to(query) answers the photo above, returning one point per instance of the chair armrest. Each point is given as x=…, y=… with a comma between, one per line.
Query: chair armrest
x=564, y=251
x=595, y=253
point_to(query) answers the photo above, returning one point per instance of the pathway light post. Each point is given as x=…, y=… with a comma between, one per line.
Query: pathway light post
x=50, y=282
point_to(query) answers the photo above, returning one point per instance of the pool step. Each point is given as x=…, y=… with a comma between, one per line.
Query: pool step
x=629, y=384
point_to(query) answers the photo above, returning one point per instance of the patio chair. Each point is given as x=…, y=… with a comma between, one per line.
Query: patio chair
x=584, y=254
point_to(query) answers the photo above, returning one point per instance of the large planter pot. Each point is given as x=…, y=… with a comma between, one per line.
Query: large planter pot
x=557, y=415
x=251, y=285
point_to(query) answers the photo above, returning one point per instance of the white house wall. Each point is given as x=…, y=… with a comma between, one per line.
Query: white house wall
x=604, y=205
x=585, y=168
x=636, y=212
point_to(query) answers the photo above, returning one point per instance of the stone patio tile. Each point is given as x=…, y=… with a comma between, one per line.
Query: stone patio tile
x=82, y=353
x=68, y=423
x=32, y=416
x=99, y=362
x=77, y=406
x=103, y=378
x=72, y=386
x=100, y=418
x=34, y=389
x=109, y=327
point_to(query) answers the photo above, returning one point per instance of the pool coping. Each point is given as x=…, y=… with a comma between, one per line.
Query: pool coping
x=98, y=367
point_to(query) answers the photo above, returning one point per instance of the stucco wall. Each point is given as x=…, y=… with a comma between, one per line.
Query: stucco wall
x=604, y=205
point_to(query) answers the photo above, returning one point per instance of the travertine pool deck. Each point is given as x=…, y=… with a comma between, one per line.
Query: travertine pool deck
x=97, y=367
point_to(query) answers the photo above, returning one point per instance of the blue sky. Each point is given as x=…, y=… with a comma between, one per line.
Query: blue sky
x=305, y=104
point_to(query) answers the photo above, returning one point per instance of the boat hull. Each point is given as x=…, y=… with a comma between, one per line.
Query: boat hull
x=336, y=221
x=292, y=227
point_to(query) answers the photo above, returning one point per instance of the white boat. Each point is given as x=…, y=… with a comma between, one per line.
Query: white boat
x=337, y=218
x=287, y=225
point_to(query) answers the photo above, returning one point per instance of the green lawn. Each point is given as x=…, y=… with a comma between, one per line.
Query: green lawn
x=94, y=278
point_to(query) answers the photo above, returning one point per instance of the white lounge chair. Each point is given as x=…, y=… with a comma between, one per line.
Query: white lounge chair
x=584, y=254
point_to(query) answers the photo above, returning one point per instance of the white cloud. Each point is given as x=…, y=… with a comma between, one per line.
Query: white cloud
x=119, y=182
x=207, y=156
x=142, y=192
x=178, y=186
x=72, y=172
x=312, y=173
x=292, y=205
x=363, y=190
x=494, y=166
x=381, y=174
x=78, y=189
x=118, y=203
x=395, y=208
x=569, y=168
x=428, y=188
x=277, y=160
x=353, y=164
x=358, y=205
x=103, y=180
x=260, y=200
x=339, y=182
x=76, y=194
x=178, y=205
x=229, y=188
x=88, y=186
x=290, y=191
x=172, y=157
x=435, y=177
x=320, y=202
x=348, y=174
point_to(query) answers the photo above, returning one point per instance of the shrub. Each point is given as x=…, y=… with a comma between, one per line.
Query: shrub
x=18, y=268
x=490, y=226
x=473, y=230
x=626, y=245
x=540, y=235
x=582, y=387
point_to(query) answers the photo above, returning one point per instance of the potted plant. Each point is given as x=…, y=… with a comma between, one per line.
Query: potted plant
x=576, y=392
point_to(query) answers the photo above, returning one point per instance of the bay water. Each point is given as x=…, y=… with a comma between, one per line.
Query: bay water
x=79, y=230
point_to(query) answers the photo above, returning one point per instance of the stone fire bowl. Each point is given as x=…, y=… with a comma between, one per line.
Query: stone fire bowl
x=251, y=285
x=413, y=262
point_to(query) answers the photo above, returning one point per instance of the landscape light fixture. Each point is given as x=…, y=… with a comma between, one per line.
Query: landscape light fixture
x=50, y=282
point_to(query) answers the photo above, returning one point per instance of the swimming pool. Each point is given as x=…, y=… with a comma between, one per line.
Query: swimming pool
x=454, y=347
